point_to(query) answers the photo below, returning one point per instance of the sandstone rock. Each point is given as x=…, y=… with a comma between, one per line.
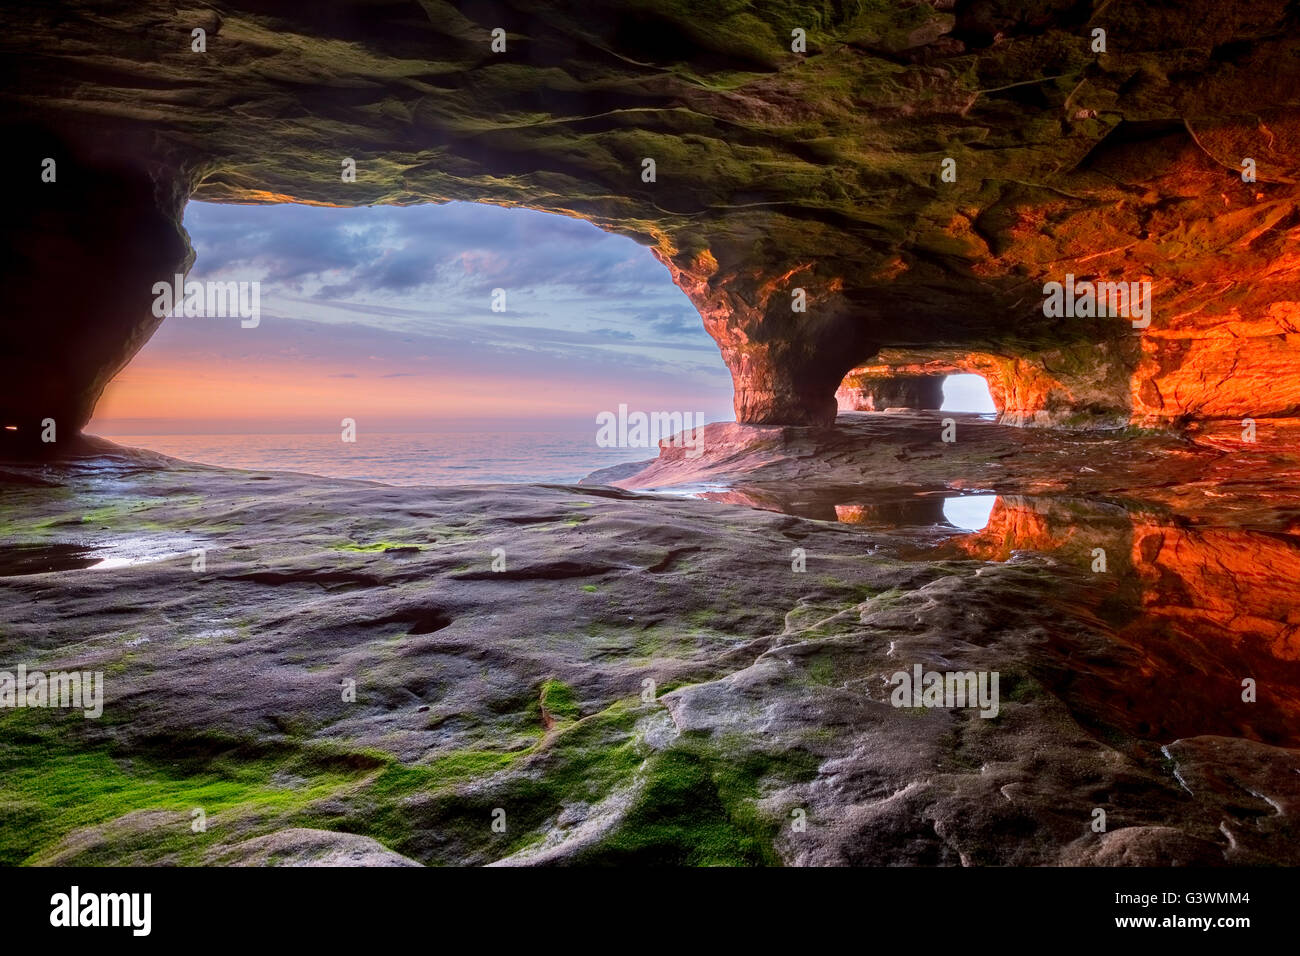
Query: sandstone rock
x=1145, y=846
x=525, y=691
x=302, y=847
x=777, y=172
x=862, y=392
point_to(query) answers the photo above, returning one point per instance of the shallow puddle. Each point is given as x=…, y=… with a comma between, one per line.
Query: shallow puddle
x=1198, y=606
x=120, y=552
x=17, y=559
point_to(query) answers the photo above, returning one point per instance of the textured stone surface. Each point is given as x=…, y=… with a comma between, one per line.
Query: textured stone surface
x=298, y=846
x=525, y=689
x=776, y=171
x=1082, y=386
x=863, y=455
x=874, y=393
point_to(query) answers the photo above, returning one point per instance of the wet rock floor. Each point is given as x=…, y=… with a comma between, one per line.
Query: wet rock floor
x=336, y=671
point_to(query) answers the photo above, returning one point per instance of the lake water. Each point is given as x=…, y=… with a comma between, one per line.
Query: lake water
x=433, y=458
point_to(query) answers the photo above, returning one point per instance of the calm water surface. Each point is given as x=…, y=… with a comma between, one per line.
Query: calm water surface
x=432, y=458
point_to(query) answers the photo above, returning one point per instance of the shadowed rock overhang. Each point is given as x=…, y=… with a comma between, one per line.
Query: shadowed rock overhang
x=775, y=171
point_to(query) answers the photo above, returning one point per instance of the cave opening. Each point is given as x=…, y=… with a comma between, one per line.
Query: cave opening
x=969, y=512
x=411, y=344
x=967, y=392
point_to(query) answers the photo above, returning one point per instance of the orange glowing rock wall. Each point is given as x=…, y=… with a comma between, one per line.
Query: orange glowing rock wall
x=900, y=194
x=1221, y=599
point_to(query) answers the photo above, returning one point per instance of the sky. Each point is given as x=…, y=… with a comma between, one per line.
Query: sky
x=384, y=315
x=967, y=393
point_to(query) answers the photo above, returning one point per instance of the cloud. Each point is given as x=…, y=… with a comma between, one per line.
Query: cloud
x=433, y=268
x=463, y=249
x=392, y=306
x=620, y=335
x=680, y=323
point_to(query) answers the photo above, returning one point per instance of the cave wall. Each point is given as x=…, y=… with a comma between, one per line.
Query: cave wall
x=1084, y=386
x=81, y=254
x=800, y=199
x=1229, y=373
x=867, y=392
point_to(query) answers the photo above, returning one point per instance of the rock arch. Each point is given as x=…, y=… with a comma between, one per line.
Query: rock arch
x=1057, y=388
x=776, y=171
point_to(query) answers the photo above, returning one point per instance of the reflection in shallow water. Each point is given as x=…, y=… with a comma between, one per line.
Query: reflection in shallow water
x=122, y=552
x=966, y=512
x=16, y=559
x=1196, y=611
x=971, y=512
x=1189, y=610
